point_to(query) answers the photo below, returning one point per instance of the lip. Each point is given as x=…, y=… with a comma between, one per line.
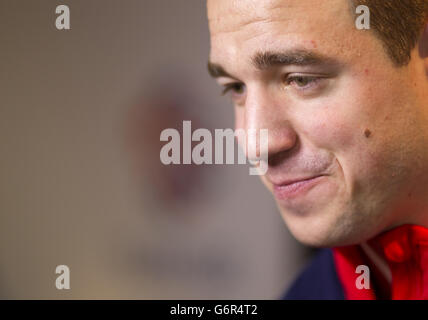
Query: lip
x=293, y=189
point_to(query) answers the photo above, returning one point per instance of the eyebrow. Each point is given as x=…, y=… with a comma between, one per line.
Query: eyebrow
x=217, y=71
x=265, y=60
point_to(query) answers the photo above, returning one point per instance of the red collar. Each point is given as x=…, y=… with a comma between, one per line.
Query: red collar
x=405, y=249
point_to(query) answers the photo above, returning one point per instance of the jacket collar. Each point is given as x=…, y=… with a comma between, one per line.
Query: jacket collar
x=405, y=251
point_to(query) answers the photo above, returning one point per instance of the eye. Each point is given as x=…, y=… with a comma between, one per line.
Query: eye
x=235, y=88
x=302, y=82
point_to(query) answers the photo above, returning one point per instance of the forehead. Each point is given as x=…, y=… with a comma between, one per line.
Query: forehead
x=240, y=28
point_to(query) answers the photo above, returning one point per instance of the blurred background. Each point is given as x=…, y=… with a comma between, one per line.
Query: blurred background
x=82, y=185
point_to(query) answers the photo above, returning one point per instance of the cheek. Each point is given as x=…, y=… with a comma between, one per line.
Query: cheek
x=330, y=130
x=345, y=137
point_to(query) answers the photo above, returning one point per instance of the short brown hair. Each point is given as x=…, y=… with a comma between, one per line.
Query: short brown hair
x=397, y=23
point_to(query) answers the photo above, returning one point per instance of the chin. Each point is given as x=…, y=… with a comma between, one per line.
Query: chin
x=326, y=230
x=314, y=237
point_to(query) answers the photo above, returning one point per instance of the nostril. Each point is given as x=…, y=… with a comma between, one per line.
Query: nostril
x=278, y=157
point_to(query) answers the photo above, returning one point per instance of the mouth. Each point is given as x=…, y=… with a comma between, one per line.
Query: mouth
x=296, y=188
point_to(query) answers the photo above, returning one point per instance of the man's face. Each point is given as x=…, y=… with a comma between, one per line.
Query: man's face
x=335, y=106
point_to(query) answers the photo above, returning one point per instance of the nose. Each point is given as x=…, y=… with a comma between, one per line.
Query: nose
x=264, y=111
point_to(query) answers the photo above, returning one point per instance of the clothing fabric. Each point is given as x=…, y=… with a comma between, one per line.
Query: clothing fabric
x=333, y=272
